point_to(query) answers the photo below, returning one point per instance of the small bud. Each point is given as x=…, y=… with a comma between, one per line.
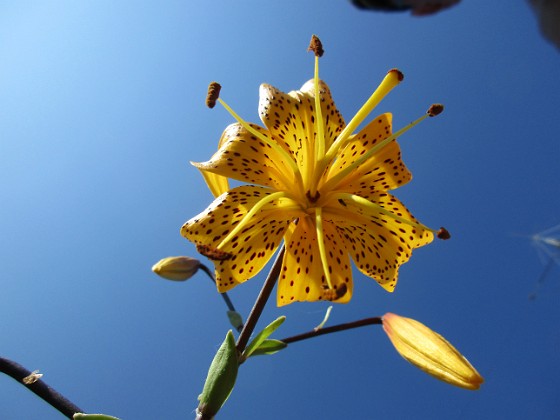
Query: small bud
x=430, y=352
x=235, y=320
x=443, y=233
x=32, y=377
x=316, y=46
x=176, y=268
x=213, y=94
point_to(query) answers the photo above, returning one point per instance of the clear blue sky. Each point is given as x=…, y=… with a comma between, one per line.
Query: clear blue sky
x=101, y=110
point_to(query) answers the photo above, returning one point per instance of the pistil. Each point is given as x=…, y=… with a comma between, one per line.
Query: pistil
x=334, y=181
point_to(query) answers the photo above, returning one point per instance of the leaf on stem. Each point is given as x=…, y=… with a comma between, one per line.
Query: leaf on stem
x=262, y=336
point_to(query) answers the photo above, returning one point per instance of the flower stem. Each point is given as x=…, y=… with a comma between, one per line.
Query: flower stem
x=335, y=328
x=260, y=303
x=40, y=388
x=227, y=300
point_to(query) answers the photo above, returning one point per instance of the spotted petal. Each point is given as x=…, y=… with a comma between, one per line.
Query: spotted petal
x=244, y=157
x=383, y=171
x=217, y=184
x=378, y=243
x=290, y=118
x=252, y=247
x=302, y=277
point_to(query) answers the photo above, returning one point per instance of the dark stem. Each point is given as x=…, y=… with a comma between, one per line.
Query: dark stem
x=227, y=300
x=260, y=303
x=334, y=328
x=40, y=388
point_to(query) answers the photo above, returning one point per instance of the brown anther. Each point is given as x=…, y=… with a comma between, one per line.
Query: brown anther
x=443, y=233
x=213, y=94
x=316, y=46
x=400, y=75
x=314, y=198
x=213, y=253
x=334, y=294
x=435, y=109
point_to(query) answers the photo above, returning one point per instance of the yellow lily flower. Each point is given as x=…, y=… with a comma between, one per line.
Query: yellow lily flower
x=315, y=185
x=430, y=352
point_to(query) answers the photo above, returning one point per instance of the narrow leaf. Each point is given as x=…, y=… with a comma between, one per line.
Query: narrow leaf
x=263, y=335
x=269, y=346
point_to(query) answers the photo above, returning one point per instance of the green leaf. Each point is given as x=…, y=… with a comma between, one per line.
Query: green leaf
x=221, y=378
x=83, y=416
x=235, y=319
x=263, y=335
x=269, y=347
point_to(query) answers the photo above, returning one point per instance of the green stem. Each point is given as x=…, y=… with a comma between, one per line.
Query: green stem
x=225, y=296
x=260, y=303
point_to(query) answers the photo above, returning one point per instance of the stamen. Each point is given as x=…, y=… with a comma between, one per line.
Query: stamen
x=335, y=294
x=316, y=46
x=377, y=208
x=333, y=182
x=257, y=207
x=212, y=253
x=319, y=142
x=391, y=80
x=321, y=243
x=435, y=109
x=443, y=233
x=213, y=94
x=284, y=155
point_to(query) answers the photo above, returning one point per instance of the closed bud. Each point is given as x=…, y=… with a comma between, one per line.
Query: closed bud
x=176, y=268
x=430, y=352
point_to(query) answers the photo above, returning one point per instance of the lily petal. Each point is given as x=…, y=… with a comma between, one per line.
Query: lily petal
x=383, y=171
x=252, y=247
x=290, y=118
x=302, y=277
x=378, y=244
x=246, y=158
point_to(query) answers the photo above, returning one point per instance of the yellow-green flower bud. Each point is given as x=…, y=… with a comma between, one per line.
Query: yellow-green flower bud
x=430, y=352
x=176, y=268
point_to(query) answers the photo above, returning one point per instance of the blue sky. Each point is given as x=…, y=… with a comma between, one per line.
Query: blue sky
x=101, y=110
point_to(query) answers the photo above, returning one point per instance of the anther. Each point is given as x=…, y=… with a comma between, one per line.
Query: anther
x=334, y=294
x=435, y=109
x=312, y=198
x=399, y=74
x=443, y=233
x=213, y=94
x=213, y=253
x=316, y=46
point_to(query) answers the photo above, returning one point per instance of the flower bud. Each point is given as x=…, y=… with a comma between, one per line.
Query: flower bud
x=430, y=352
x=220, y=380
x=176, y=268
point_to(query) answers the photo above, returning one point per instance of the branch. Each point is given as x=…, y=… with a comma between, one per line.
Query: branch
x=40, y=388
